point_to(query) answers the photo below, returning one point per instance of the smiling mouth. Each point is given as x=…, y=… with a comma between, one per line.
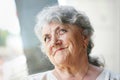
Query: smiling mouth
x=60, y=49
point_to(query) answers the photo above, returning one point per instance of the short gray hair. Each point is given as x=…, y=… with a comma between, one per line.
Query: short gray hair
x=65, y=15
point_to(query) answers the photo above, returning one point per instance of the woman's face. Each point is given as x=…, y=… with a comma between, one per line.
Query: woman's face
x=64, y=44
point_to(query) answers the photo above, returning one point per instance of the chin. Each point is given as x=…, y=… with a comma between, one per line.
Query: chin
x=61, y=62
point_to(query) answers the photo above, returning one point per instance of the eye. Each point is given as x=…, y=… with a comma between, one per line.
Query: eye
x=47, y=38
x=62, y=31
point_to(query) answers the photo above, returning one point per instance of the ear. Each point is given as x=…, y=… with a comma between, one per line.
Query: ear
x=86, y=41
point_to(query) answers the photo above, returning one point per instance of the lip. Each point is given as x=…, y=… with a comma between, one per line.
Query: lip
x=58, y=50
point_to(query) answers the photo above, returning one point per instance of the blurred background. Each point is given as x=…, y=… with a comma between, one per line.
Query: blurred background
x=20, y=54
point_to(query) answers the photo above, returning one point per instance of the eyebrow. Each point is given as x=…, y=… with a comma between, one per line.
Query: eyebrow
x=46, y=35
x=58, y=27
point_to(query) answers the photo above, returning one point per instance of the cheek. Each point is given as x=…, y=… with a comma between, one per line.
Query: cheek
x=75, y=43
x=47, y=49
x=68, y=41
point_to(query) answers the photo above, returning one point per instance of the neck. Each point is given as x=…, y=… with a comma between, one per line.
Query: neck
x=76, y=70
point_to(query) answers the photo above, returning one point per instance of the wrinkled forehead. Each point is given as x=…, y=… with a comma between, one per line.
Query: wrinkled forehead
x=53, y=27
x=48, y=28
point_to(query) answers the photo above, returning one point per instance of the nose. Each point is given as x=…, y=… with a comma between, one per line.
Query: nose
x=55, y=41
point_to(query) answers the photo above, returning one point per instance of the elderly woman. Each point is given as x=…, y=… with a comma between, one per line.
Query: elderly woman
x=65, y=36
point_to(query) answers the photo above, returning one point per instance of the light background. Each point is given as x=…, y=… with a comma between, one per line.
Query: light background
x=105, y=18
x=21, y=56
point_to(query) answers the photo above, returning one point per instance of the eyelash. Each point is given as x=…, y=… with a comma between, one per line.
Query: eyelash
x=46, y=38
x=63, y=31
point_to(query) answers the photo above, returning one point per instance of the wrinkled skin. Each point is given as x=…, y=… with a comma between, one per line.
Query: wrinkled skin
x=65, y=45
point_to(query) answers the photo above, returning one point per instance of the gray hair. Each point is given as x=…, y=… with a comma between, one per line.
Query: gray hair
x=66, y=15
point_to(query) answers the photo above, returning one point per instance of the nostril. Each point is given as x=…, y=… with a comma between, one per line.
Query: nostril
x=58, y=42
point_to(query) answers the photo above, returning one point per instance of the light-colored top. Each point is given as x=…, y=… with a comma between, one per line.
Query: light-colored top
x=105, y=75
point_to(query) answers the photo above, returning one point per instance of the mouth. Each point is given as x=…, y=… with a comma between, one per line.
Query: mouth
x=60, y=49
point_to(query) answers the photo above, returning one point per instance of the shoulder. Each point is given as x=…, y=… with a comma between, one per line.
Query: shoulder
x=39, y=76
x=108, y=75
